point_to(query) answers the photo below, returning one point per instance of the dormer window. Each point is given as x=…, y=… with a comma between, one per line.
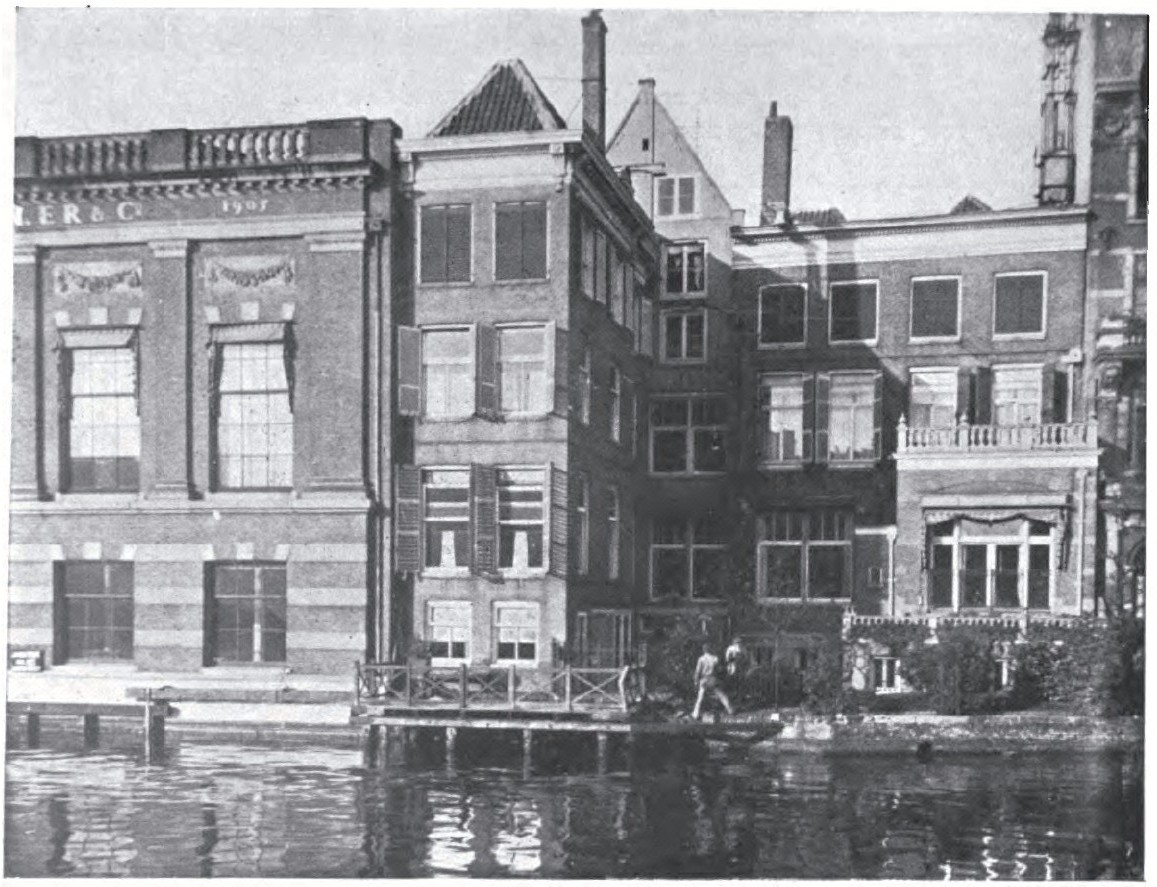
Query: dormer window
x=676, y=196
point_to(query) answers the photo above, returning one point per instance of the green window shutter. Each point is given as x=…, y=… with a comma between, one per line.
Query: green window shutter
x=484, y=518
x=559, y=522
x=486, y=374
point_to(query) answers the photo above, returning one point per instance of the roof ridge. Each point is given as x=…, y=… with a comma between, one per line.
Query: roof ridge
x=486, y=110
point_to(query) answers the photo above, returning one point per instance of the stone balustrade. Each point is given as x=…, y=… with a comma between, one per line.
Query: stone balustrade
x=271, y=146
x=94, y=156
x=982, y=439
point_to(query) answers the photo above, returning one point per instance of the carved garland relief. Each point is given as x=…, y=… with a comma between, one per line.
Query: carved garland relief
x=97, y=279
x=241, y=273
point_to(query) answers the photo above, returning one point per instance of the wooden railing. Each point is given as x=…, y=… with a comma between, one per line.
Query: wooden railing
x=94, y=155
x=263, y=146
x=995, y=438
x=480, y=687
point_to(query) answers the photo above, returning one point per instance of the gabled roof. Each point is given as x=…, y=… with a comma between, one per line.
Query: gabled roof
x=970, y=204
x=506, y=100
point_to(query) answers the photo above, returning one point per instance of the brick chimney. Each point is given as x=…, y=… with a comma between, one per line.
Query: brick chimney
x=776, y=198
x=595, y=77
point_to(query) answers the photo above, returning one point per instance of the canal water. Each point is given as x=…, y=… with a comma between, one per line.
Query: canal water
x=234, y=810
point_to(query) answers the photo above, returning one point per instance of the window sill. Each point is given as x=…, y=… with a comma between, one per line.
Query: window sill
x=517, y=663
x=518, y=280
x=249, y=497
x=934, y=340
x=687, y=475
x=524, y=417
x=529, y=573
x=440, y=420
x=698, y=296
x=1018, y=337
x=844, y=464
x=444, y=572
x=780, y=346
x=119, y=498
x=797, y=465
x=869, y=342
x=446, y=284
x=684, y=361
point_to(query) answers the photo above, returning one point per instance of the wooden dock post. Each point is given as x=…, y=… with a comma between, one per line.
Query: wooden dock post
x=91, y=730
x=32, y=729
x=369, y=746
x=154, y=727
x=451, y=740
x=601, y=750
x=527, y=751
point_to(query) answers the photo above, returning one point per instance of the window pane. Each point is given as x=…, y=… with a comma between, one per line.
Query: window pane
x=534, y=240
x=708, y=573
x=932, y=403
x=673, y=336
x=675, y=269
x=666, y=199
x=934, y=307
x=671, y=569
x=1007, y=579
x=1038, y=577
x=974, y=576
x=783, y=574
x=670, y=411
x=710, y=451
x=785, y=418
x=696, y=269
x=940, y=577
x=433, y=244
x=686, y=196
x=852, y=417
x=781, y=315
x=826, y=571
x=853, y=312
x=458, y=244
x=508, y=241
x=669, y=451
x=1020, y=304
x=696, y=345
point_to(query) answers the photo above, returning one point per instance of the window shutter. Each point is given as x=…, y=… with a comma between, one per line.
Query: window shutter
x=964, y=404
x=484, y=522
x=559, y=522
x=982, y=395
x=558, y=368
x=878, y=416
x=822, y=415
x=409, y=371
x=433, y=245
x=486, y=375
x=508, y=242
x=534, y=240
x=626, y=411
x=458, y=244
x=408, y=519
x=1048, y=404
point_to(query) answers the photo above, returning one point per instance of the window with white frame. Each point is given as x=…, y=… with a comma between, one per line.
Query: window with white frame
x=247, y=619
x=448, y=627
x=1016, y=395
x=254, y=417
x=685, y=269
x=688, y=434
x=852, y=422
x=782, y=314
x=886, y=674
x=520, y=519
x=516, y=633
x=684, y=336
x=615, y=404
x=446, y=518
x=582, y=509
x=1019, y=305
x=1007, y=565
x=522, y=377
x=932, y=398
x=614, y=530
x=688, y=557
x=853, y=311
x=520, y=240
x=787, y=436
x=806, y=555
x=675, y=196
x=584, y=389
x=104, y=428
x=935, y=308
x=447, y=373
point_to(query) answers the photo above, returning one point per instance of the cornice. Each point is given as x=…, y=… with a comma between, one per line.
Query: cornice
x=285, y=181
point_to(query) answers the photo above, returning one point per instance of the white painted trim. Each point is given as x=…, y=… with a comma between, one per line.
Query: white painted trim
x=922, y=340
x=1044, y=306
x=686, y=311
x=1021, y=461
x=665, y=296
x=489, y=141
x=779, y=346
x=835, y=283
x=923, y=239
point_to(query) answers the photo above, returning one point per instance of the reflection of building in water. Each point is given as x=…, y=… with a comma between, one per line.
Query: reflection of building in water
x=99, y=840
x=517, y=842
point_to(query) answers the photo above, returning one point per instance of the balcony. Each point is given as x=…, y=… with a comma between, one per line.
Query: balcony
x=932, y=621
x=964, y=438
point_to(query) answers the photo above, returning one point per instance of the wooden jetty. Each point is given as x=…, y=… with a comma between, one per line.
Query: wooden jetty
x=151, y=713
x=393, y=702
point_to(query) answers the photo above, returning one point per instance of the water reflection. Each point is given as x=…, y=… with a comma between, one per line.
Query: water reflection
x=225, y=810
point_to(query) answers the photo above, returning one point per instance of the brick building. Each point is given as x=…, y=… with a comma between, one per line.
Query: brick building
x=196, y=469
x=1094, y=152
x=522, y=364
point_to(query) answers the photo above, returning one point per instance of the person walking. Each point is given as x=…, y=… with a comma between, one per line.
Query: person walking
x=707, y=681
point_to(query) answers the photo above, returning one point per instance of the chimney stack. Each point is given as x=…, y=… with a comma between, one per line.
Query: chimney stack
x=776, y=196
x=595, y=77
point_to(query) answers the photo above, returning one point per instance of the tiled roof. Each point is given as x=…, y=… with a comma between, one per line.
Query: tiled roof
x=507, y=100
x=821, y=218
x=970, y=204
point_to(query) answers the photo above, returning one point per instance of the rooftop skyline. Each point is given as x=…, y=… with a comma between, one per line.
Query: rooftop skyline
x=895, y=114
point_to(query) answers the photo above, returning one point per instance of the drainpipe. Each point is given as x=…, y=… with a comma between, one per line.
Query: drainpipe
x=891, y=534
x=1082, y=486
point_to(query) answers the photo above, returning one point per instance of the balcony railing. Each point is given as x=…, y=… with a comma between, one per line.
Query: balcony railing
x=272, y=145
x=485, y=688
x=965, y=438
x=1022, y=618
